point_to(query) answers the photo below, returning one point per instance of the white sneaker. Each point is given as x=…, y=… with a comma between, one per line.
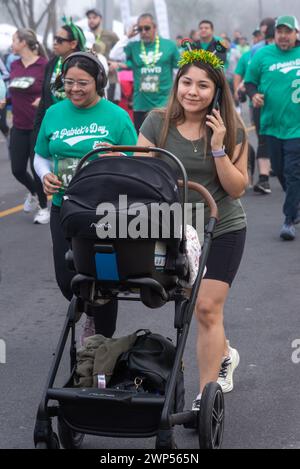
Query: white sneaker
x=42, y=217
x=31, y=203
x=228, y=366
x=196, y=404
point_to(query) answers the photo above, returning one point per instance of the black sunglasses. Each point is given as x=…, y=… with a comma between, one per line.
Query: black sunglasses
x=61, y=40
x=143, y=28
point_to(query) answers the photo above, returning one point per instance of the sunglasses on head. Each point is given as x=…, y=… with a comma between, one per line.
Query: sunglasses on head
x=143, y=28
x=61, y=40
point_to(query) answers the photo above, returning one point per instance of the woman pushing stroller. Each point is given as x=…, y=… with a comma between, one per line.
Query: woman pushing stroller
x=200, y=126
x=70, y=130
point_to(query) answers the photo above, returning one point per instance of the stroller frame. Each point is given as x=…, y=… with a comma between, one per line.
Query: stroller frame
x=209, y=421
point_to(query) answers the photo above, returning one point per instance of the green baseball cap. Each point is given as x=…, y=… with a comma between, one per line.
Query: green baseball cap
x=290, y=22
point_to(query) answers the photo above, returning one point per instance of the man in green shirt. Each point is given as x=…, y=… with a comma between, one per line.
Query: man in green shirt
x=273, y=83
x=153, y=60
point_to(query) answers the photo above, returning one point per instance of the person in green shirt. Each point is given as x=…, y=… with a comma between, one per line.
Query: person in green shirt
x=71, y=129
x=272, y=81
x=152, y=60
x=207, y=39
x=212, y=146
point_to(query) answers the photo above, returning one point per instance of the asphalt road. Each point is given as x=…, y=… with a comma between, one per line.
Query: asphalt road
x=262, y=321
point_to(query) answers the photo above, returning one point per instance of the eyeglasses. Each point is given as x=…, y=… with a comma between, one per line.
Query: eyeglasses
x=143, y=28
x=82, y=84
x=61, y=40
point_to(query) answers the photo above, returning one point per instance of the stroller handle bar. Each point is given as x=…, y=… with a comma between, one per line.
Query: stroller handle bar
x=206, y=195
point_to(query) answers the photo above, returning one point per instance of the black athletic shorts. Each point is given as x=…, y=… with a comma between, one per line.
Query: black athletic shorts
x=225, y=256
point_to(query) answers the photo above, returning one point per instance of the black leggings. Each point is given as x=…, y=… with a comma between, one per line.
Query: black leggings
x=105, y=316
x=3, y=123
x=21, y=149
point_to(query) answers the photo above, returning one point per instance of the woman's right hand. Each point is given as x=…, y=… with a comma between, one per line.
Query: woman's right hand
x=51, y=184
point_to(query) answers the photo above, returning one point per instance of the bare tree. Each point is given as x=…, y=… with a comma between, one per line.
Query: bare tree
x=29, y=14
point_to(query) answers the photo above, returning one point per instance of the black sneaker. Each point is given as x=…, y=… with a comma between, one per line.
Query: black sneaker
x=262, y=187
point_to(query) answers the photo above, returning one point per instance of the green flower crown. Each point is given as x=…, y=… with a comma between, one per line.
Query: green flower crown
x=200, y=55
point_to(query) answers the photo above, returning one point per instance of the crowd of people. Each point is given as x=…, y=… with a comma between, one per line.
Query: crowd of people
x=170, y=92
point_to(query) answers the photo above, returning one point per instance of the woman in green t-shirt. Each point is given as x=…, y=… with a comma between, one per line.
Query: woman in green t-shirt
x=207, y=135
x=71, y=129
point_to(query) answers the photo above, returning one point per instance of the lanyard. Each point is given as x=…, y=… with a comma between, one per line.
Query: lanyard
x=58, y=67
x=145, y=57
x=58, y=94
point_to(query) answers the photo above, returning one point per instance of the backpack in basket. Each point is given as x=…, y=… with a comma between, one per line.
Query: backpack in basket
x=149, y=363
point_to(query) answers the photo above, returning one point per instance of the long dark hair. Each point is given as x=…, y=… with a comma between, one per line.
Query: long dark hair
x=174, y=114
x=32, y=42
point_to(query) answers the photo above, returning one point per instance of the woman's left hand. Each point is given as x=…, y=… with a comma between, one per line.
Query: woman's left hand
x=215, y=122
x=105, y=144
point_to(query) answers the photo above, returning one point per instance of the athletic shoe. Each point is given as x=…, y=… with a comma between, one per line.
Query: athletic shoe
x=42, y=217
x=31, y=203
x=228, y=366
x=288, y=232
x=88, y=330
x=262, y=188
x=196, y=405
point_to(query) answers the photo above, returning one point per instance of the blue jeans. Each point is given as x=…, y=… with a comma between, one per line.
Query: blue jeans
x=285, y=159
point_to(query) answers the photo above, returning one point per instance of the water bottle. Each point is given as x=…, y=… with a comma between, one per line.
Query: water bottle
x=160, y=256
x=101, y=382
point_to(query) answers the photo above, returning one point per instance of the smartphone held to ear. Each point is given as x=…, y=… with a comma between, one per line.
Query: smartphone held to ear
x=217, y=100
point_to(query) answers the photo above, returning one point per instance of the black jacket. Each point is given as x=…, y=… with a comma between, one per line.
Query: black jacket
x=212, y=48
x=46, y=98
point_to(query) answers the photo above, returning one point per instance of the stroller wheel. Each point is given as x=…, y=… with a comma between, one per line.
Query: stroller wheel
x=69, y=438
x=41, y=445
x=211, y=417
x=52, y=443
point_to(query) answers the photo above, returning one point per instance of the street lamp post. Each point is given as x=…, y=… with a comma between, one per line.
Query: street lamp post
x=107, y=9
x=260, y=10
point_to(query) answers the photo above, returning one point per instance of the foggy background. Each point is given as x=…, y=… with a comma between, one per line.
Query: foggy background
x=185, y=15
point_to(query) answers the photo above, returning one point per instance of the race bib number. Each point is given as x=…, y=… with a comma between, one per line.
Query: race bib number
x=296, y=93
x=65, y=170
x=150, y=84
x=22, y=83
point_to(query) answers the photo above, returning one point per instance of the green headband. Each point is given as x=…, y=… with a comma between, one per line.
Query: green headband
x=200, y=55
x=77, y=33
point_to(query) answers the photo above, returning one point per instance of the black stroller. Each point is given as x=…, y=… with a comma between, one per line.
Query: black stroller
x=112, y=412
